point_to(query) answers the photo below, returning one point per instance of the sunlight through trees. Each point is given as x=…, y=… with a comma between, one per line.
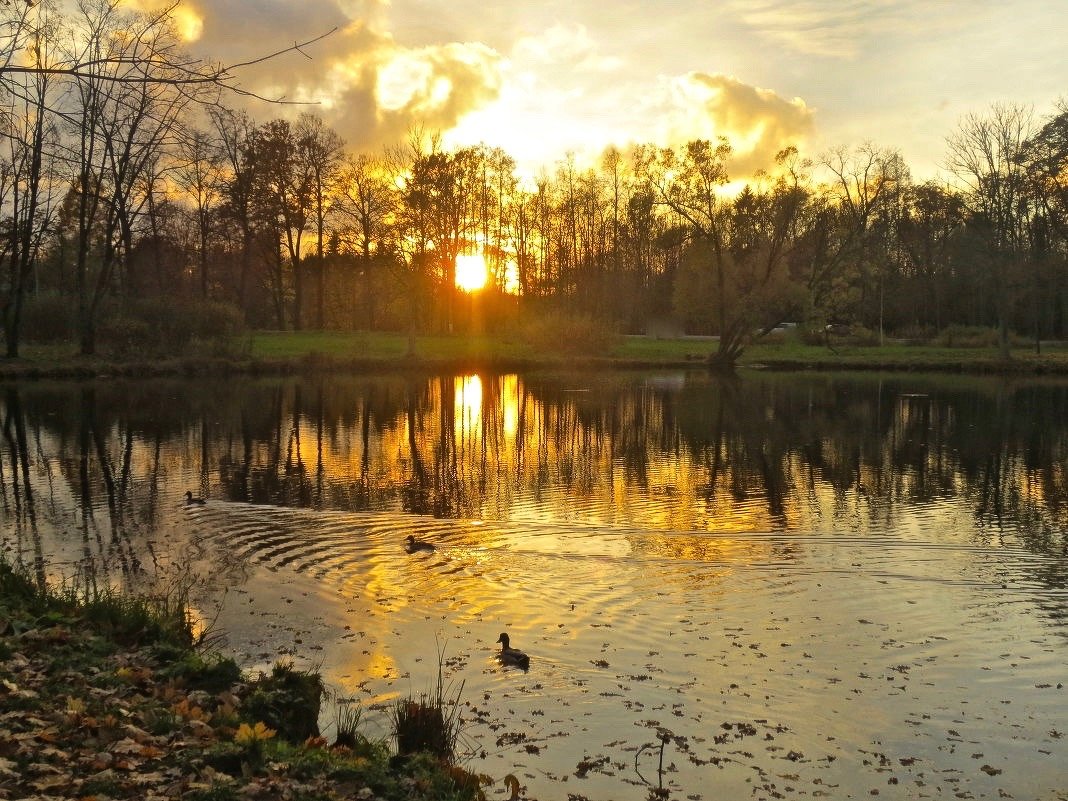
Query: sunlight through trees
x=127, y=184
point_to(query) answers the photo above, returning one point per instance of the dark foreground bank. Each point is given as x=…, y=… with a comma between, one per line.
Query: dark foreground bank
x=106, y=696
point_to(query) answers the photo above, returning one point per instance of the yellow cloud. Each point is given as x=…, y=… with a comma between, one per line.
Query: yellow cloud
x=188, y=21
x=757, y=122
x=436, y=84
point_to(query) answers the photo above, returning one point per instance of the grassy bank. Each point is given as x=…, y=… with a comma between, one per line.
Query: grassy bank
x=268, y=352
x=108, y=697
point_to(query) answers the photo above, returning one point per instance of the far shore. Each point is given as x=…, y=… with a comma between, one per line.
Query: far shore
x=286, y=353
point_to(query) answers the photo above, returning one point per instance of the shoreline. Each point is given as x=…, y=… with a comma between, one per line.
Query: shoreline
x=312, y=365
x=276, y=354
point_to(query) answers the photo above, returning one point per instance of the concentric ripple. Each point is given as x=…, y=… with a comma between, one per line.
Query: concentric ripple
x=818, y=665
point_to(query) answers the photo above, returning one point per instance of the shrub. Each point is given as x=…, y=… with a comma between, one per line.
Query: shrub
x=212, y=673
x=972, y=336
x=165, y=328
x=916, y=334
x=569, y=334
x=49, y=317
x=287, y=701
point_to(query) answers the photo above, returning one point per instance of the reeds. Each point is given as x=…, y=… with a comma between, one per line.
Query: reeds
x=429, y=723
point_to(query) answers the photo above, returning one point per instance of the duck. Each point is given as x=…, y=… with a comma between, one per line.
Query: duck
x=190, y=500
x=413, y=545
x=512, y=656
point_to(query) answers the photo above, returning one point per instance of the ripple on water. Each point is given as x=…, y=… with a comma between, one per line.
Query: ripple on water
x=826, y=663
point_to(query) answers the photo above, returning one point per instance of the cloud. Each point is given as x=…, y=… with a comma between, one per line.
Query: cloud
x=396, y=89
x=757, y=122
x=548, y=91
x=565, y=45
x=829, y=28
x=369, y=87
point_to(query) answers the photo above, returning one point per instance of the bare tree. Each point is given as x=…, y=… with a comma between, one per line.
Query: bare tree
x=28, y=179
x=319, y=152
x=123, y=121
x=199, y=174
x=367, y=199
x=866, y=189
x=988, y=156
x=240, y=178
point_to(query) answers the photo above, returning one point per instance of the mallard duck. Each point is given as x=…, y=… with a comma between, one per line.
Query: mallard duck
x=414, y=545
x=512, y=656
x=192, y=501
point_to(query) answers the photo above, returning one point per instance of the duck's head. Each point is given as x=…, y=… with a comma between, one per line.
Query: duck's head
x=411, y=539
x=503, y=640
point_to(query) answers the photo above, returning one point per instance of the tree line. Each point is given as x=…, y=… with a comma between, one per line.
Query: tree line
x=136, y=205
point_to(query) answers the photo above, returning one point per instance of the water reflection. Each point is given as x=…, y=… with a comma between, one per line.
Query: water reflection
x=925, y=458
x=677, y=551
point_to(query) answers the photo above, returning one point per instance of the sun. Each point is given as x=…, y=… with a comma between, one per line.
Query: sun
x=471, y=272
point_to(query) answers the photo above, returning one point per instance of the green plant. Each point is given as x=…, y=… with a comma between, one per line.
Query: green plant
x=212, y=673
x=445, y=782
x=431, y=722
x=133, y=619
x=287, y=700
x=347, y=724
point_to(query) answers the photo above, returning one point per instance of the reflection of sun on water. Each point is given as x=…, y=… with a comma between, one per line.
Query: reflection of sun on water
x=468, y=403
x=510, y=405
x=471, y=272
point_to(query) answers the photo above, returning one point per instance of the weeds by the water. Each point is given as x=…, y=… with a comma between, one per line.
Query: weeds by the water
x=347, y=724
x=110, y=699
x=161, y=618
x=430, y=722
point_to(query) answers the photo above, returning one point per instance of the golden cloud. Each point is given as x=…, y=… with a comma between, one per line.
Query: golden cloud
x=757, y=122
x=383, y=92
x=188, y=20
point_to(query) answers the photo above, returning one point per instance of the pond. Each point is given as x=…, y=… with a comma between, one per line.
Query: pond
x=775, y=585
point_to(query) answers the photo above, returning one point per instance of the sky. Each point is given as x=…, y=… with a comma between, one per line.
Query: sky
x=545, y=79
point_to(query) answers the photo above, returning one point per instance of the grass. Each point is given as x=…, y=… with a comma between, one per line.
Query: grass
x=648, y=351
x=293, y=351
x=793, y=353
x=429, y=723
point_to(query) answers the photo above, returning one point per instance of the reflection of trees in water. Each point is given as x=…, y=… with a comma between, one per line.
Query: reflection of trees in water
x=81, y=472
x=760, y=452
x=19, y=504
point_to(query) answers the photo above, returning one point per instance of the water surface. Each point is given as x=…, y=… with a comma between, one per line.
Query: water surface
x=803, y=585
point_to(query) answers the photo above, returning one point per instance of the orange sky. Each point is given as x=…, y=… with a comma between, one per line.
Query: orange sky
x=542, y=79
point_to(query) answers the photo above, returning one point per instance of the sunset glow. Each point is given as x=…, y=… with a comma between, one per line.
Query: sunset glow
x=189, y=23
x=471, y=272
x=543, y=82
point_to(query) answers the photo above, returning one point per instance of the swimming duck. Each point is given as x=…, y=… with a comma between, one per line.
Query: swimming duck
x=512, y=656
x=413, y=545
x=191, y=501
